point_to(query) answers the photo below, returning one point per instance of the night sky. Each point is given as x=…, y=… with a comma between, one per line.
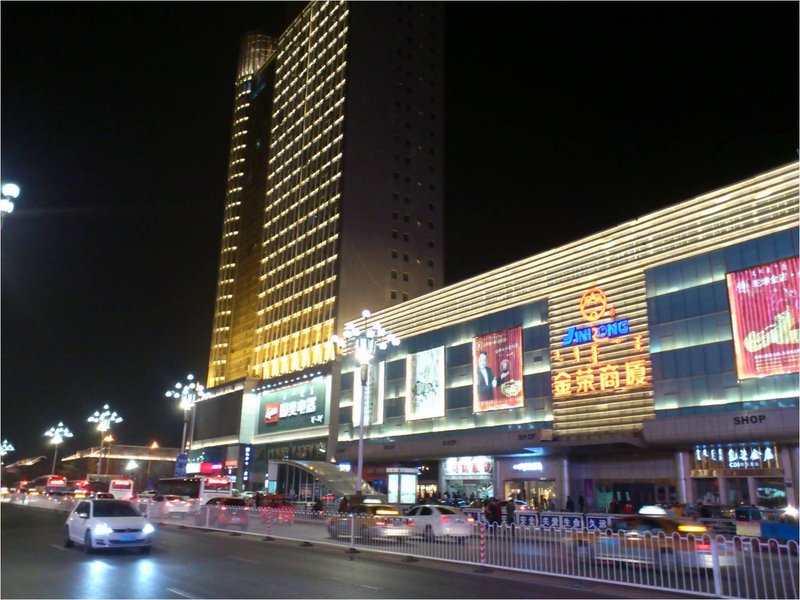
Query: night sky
x=562, y=119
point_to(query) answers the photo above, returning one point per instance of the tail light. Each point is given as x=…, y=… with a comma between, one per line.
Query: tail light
x=470, y=520
x=444, y=519
x=410, y=522
x=223, y=508
x=380, y=522
x=703, y=547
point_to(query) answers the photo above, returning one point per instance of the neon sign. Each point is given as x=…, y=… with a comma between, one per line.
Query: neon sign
x=528, y=466
x=583, y=335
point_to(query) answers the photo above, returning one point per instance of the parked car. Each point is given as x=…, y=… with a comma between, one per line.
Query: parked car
x=224, y=512
x=107, y=524
x=170, y=505
x=649, y=539
x=372, y=521
x=433, y=521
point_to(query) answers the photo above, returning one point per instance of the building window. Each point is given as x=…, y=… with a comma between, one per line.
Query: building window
x=430, y=262
x=405, y=218
x=395, y=215
x=394, y=253
x=405, y=276
x=405, y=256
x=394, y=234
x=394, y=274
x=430, y=282
x=406, y=200
x=405, y=296
x=393, y=295
x=405, y=237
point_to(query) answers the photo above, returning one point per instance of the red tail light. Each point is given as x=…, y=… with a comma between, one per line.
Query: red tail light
x=410, y=523
x=703, y=547
x=470, y=520
x=223, y=508
x=444, y=519
x=380, y=522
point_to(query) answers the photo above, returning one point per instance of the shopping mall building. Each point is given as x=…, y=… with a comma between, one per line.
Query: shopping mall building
x=655, y=361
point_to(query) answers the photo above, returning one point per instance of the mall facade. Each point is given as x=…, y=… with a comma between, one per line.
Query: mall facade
x=656, y=361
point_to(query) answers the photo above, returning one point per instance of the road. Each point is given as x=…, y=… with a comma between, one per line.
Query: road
x=190, y=563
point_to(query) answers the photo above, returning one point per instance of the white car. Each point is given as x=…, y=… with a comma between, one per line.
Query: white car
x=108, y=524
x=436, y=521
x=171, y=505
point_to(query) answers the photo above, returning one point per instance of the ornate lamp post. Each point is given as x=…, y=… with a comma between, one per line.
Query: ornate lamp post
x=104, y=421
x=5, y=448
x=363, y=343
x=187, y=394
x=57, y=435
x=10, y=192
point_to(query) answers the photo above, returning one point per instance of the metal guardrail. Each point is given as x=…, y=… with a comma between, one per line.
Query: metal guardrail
x=712, y=565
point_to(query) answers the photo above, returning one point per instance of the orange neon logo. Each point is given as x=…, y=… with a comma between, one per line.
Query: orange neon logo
x=593, y=304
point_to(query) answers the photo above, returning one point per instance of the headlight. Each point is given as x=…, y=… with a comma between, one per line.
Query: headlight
x=148, y=529
x=102, y=529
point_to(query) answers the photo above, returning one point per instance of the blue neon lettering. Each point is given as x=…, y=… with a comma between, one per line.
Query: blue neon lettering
x=614, y=329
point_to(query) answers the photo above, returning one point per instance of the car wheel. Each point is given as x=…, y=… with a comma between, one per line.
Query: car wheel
x=145, y=549
x=68, y=543
x=87, y=543
x=428, y=535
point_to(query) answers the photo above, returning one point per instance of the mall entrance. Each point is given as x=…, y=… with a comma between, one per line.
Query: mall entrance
x=540, y=493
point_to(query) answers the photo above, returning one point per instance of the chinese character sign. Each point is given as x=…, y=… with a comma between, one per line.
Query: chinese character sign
x=765, y=317
x=425, y=384
x=373, y=409
x=497, y=364
x=293, y=407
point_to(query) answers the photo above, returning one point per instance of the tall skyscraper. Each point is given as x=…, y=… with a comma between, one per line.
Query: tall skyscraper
x=335, y=182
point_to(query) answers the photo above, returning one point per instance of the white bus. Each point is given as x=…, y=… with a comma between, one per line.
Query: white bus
x=196, y=488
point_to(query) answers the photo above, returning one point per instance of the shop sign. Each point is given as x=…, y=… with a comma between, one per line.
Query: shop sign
x=467, y=466
x=571, y=522
x=604, y=357
x=497, y=365
x=746, y=456
x=528, y=466
x=551, y=521
x=293, y=407
x=601, y=523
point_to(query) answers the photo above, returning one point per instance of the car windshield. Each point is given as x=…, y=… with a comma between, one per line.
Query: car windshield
x=111, y=508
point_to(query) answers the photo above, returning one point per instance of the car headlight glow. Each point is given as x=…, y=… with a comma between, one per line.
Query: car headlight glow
x=148, y=529
x=102, y=529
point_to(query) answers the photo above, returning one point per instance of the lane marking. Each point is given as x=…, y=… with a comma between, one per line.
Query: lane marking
x=57, y=547
x=178, y=592
x=369, y=587
x=247, y=560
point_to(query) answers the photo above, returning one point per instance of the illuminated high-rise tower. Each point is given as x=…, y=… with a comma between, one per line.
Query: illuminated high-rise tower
x=335, y=182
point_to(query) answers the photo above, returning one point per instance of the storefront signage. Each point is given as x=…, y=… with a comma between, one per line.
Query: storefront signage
x=528, y=466
x=497, y=367
x=616, y=359
x=740, y=456
x=749, y=420
x=293, y=407
x=467, y=466
x=765, y=318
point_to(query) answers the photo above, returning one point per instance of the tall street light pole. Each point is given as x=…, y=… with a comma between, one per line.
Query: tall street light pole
x=5, y=448
x=104, y=421
x=187, y=394
x=363, y=343
x=57, y=435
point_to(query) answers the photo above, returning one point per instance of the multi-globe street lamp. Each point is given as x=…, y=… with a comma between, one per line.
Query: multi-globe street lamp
x=10, y=192
x=363, y=343
x=104, y=421
x=5, y=448
x=187, y=394
x=57, y=435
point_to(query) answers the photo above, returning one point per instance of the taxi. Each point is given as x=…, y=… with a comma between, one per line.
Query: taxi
x=372, y=521
x=655, y=537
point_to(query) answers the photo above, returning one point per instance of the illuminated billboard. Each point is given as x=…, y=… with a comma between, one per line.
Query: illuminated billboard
x=425, y=384
x=293, y=407
x=373, y=409
x=765, y=318
x=497, y=365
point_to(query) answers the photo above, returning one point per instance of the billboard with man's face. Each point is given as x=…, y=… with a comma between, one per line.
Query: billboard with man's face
x=425, y=384
x=765, y=318
x=497, y=362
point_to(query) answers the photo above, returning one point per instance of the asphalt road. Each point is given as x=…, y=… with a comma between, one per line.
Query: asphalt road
x=190, y=563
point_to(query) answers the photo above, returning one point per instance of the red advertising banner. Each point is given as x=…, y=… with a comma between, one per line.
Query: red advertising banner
x=497, y=359
x=765, y=313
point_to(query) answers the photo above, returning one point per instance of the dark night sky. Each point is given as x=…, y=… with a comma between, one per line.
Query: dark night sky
x=561, y=119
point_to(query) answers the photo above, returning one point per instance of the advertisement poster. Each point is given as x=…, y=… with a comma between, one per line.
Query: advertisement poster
x=373, y=409
x=293, y=407
x=425, y=384
x=765, y=317
x=497, y=363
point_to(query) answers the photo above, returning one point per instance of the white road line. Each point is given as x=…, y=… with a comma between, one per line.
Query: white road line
x=369, y=587
x=243, y=559
x=178, y=592
x=57, y=547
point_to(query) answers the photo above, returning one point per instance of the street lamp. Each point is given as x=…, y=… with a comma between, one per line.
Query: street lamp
x=187, y=395
x=104, y=421
x=5, y=448
x=363, y=344
x=57, y=434
x=10, y=192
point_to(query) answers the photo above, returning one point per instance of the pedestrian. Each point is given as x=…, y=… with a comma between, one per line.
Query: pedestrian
x=613, y=506
x=344, y=508
x=510, y=514
x=569, y=506
x=581, y=505
x=628, y=509
x=317, y=506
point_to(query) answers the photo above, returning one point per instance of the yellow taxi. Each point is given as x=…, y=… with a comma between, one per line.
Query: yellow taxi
x=368, y=522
